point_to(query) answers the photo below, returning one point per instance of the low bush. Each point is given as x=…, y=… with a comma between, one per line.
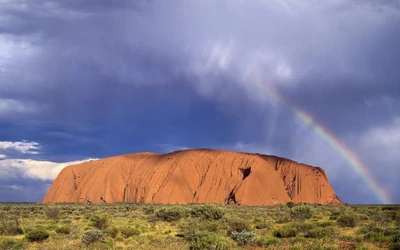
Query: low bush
x=238, y=225
x=171, y=213
x=190, y=230
x=376, y=237
x=210, y=242
x=281, y=217
x=99, y=222
x=244, y=237
x=91, y=236
x=207, y=212
x=13, y=244
x=63, y=230
x=37, y=235
x=53, y=212
x=149, y=210
x=266, y=242
x=129, y=231
x=261, y=224
x=112, y=231
x=319, y=232
x=285, y=232
x=395, y=245
x=347, y=220
x=211, y=226
x=10, y=225
x=290, y=204
x=301, y=213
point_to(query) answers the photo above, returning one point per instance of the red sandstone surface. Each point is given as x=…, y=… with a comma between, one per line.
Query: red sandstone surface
x=193, y=176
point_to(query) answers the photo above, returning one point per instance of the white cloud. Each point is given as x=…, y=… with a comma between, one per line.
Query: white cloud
x=10, y=106
x=383, y=141
x=14, y=187
x=24, y=147
x=43, y=170
x=2, y=156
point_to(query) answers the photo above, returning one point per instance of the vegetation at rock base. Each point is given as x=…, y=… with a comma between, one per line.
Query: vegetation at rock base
x=198, y=226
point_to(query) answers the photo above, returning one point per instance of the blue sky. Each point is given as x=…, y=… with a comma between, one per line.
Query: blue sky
x=82, y=80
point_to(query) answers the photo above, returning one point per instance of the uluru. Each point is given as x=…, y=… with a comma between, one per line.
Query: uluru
x=193, y=176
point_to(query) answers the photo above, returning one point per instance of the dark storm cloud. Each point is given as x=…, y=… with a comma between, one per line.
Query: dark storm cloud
x=98, y=78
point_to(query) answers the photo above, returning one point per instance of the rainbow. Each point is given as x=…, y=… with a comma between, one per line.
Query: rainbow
x=347, y=154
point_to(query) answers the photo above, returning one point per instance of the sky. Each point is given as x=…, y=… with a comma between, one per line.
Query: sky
x=82, y=80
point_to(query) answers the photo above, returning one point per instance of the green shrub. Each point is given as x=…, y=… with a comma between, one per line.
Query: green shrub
x=281, y=217
x=266, y=242
x=99, y=222
x=9, y=225
x=53, y=212
x=395, y=242
x=37, y=235
x=189, y=230
x=301, y=213
x=376, y=237
x=148, y=210
x=112, y=231
x=11, y=244
x=290, y=204
x=370, y=228
x=207, y=212
x=171, y=213
x=91, y=236
x=211, y=226
x=238, y=225
x=261, y=224
x=381, y=218
x=285, y=232
x=63, y=230
x=319, y=232
x=129, y=231
x=348, y=220
x=244, y=237
x=209, y=242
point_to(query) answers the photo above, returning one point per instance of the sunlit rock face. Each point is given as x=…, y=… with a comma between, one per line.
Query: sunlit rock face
x=193, y=176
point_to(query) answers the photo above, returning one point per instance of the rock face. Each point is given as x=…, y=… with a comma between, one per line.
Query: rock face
x=193, y=176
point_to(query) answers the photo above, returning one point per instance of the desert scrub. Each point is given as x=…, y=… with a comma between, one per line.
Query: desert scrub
x=286, y=231
x=207, y=212
x=91, y=236
x=348, y=219
x=244, y=237
x=13, y=244
x=266, y=242
x=281, y=217
x=53, y=213
x=9, y=225
x=238, y=225
x=170, y=214
x=290, y=204
x=99, y=222
x=39, y=234
x=212, y=242
x=261, y=223
x=149, y=210
x=212, y=226
x=301, y=213
x=320, y=232
x=63, y=230
x=129, y=231
x=112, y=232
x=395, y=244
